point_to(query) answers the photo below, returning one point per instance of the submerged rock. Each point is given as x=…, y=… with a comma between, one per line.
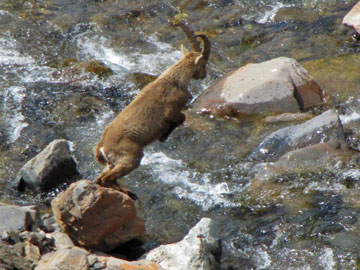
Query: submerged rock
x=288, y=117
x=352, y=18
x=17, y=218
x=329, y=73
x=309, y=159
x=77, y=71
x=199, y=250
x=278, y=85
x=97, y=217
x=296, y=14
x=323, y=128
x=50, y=167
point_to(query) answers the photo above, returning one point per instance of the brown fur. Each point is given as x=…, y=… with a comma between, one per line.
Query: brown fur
x=152, y=115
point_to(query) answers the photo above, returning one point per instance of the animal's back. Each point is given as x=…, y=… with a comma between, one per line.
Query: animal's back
x=143, y=120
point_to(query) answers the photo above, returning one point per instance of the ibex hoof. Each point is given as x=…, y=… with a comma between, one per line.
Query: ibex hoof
x=117, y=187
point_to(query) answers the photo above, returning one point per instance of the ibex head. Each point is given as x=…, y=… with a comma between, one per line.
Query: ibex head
x=201, y=61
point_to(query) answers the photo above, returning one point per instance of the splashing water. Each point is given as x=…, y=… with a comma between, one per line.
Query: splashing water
x=189, y=184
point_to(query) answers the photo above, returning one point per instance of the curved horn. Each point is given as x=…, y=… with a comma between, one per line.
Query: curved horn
x=190, y=35
x=206, y=46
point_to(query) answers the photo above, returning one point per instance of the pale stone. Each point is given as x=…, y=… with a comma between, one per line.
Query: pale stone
x=279, y=85
x=16, y=217
x=62, y=240
x=288, y=117
x=64, y=259
x=32, y=252
x=352, y=18
x=195, y=252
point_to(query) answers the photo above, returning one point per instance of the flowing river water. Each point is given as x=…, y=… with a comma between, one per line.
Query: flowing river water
x=311, y=219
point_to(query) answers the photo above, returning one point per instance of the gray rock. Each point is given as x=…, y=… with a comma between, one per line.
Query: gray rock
x=17, y=218
x=352, y=18
x=323, y=128
x=305, y=160
x=50, y=167
x=195, y=252
x=279, y=85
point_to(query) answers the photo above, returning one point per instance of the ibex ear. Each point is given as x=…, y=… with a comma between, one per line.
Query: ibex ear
x=198, y=59
x=183, y=49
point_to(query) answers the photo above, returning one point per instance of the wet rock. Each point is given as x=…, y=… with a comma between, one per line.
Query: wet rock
x=200, y=249
x=323, y=128
x=64, y=259
x=288, y=117
x=141, y=79
x=97, y=217
x=50, y=167
x=11, y=259
x=305, y=160
x=352, y=18
x=77, y=71
x=17, y=218
x=278, y=85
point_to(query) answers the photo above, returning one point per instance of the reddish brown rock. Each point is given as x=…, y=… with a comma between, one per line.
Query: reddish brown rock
x=279, y=85
x=97, y=217
x=352, y=18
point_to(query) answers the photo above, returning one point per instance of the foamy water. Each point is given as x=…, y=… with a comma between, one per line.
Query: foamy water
x=13, y=98
x=189, y=184
x=95, y=47
x=17, y=70
x=269, y=15
x=348, y=118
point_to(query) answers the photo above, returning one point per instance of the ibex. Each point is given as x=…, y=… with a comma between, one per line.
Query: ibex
x=152, y=115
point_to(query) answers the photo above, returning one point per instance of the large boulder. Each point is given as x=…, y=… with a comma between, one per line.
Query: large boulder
x=17, y=218
x=97, y=217
x=352, y=18
x=279, y=85
x=323, y=128
x=50, y=167
x=199, y=250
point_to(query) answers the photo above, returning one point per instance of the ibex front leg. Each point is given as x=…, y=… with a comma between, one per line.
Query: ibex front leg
x=172, y=125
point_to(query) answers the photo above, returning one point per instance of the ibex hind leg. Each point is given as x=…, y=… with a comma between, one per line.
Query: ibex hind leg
x=109, y=176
